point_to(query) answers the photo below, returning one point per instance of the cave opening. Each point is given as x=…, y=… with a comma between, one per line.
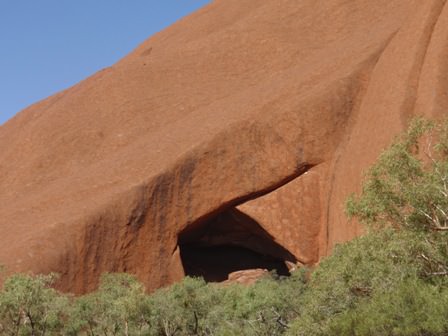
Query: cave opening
x=229, y=242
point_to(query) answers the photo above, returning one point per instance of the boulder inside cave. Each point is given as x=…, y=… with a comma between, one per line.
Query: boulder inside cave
x=230, y=241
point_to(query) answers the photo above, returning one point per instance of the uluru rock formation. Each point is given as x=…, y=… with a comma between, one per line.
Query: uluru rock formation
x=229, y=140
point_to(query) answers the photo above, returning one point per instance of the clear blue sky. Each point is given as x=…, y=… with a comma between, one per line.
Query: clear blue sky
x=49, y=45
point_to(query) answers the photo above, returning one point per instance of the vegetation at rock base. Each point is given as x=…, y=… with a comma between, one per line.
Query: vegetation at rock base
x=391, y=281
x=29, y=306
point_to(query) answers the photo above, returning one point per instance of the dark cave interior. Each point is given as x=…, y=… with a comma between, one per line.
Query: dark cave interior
x=228, y=242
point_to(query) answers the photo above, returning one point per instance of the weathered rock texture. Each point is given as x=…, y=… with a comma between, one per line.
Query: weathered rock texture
x=270, y=110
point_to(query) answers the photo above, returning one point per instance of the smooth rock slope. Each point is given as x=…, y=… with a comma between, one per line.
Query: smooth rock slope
x=230, y=140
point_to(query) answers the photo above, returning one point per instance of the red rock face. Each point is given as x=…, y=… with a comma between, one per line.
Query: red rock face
x=260, y=112
x=246, y=277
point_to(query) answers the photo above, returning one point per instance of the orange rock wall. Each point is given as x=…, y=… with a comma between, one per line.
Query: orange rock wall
x=228, y=107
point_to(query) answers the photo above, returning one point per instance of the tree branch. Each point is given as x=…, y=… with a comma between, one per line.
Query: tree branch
x=444, y=273
x=440, y=228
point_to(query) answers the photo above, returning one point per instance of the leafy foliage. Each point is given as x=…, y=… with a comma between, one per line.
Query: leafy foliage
x=410, y=307
x=28, y=306
x=357, y=290
x=118, y=307
x=193, y=307
x=393, y=281
x=408, y=186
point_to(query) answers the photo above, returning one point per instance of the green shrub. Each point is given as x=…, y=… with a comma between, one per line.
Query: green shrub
x=361, y=273
x=118, y=307
x=182, y=309
x=407, y=189
x=29, y=306
x=193, y=307
x=392, y=281
x=410, y=307
x=265, y=308
x=408, y=186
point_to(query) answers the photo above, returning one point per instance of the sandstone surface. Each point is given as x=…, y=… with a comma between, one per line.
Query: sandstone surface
x=238, y=131
x=246, y=277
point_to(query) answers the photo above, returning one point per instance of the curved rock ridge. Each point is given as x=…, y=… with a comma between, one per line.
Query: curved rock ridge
x=263, y=112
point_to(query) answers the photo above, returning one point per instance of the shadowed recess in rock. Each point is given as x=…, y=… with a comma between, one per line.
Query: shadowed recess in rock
x=231, y=241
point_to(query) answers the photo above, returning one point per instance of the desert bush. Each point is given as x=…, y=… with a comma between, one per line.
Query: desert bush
x=265, y=308
x=118, y=307
x=407, y=189
x=193, y=307
x=29, y=306
x=392, y=281
x=408, y=186
x=410, y=307
x=183, y=308
x=358, y=274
